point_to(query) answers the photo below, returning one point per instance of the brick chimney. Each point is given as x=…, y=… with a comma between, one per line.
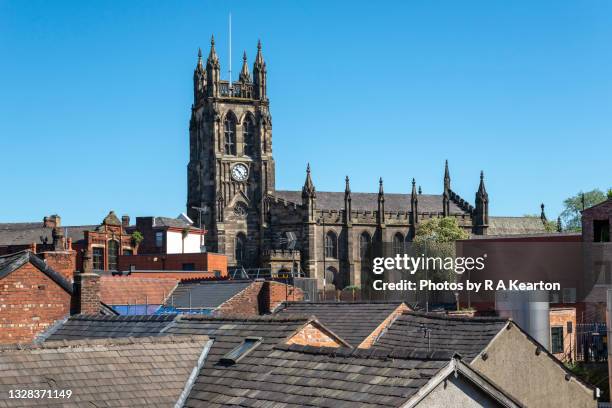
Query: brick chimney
x=86, y=289
x=125, y=221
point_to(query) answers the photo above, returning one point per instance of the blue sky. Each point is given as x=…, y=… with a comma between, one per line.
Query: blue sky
x=95, y=98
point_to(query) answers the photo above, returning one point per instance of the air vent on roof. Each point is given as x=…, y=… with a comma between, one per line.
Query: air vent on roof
x=244, y=348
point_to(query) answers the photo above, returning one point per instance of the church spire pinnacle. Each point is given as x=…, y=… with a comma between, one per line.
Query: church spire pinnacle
x=245, y=75
x=347, y=186
x=414, y=203
x=446, y=194
x=260, y=76
x=381, y=190
x=542, y=213
x=212, y=56
x=481, y=187
x=309, y=189
x=447, y=178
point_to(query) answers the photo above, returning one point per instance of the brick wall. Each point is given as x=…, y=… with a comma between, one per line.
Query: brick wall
x=312, y=335
x=63, y=262
x=369, y=341
x=275, y=293
x=558, y=317
x=259, y=298
x=174, y=262
x=244, y=303
x=29, y=303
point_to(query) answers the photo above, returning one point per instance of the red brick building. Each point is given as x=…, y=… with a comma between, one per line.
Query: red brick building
x=215, y=264
x=33, y=295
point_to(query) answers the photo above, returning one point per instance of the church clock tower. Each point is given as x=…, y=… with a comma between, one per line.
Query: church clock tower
x=231, y=168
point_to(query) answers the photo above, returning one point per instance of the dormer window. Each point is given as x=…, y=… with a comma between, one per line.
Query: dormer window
x=242, y=350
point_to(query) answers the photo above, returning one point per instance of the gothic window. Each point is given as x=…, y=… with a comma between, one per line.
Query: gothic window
x=364, y=245
x=248, y=137
x=229, y=129
x=331, y=245
x=398, y=243
x=240, y=248
x=113, y=255
x=98, y=258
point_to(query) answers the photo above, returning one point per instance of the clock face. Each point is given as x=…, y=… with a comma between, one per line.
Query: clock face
x=240, y=172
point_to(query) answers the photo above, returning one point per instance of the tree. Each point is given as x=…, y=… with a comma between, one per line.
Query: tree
x=436, y=237
x=573, y=205
x=439, y=230
x=137, y=238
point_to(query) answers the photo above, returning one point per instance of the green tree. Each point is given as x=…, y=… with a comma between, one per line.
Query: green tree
x=137, y=238
x=436, y=238
x=439, y=230
x=573, y=205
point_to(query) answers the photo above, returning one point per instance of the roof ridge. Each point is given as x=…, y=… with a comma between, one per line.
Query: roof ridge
x=440, y=316
x=403, y=353
x=246, y=318
x=117, y=341
x=126, y=318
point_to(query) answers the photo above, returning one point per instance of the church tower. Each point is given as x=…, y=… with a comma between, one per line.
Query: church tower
x=231, y=168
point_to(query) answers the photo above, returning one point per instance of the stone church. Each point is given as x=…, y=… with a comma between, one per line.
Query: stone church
x=231, y=191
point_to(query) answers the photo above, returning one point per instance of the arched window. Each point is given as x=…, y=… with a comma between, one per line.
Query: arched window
x=398, y=243
x=113, y=255
x=240, y=248
x=248, y=137
x=364, y=245
x=331, y=245
x=229, y=130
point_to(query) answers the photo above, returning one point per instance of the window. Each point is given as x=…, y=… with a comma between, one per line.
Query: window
x=601, y=231
x=113, y=255
x=247, y=137
x=189, y=267
x=244, y=348
x=240, y=248
x=398, y=243
x=331, y=245
x=98, y=258
x=364, y=245
x=331, y=276
x=229, y=129
x=556, y=339
x=159, y=239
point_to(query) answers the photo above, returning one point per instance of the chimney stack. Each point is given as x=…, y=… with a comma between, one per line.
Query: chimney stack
x=52, y=221
x=125, y=221
x=86, y=289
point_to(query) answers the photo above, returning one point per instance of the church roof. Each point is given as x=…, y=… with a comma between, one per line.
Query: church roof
x=515, y=226
x=327, y=200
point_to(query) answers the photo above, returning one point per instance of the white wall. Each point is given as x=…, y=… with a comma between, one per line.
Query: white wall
x=174, y=243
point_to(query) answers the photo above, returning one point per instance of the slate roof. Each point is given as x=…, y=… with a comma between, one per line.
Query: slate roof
x=146, y=372
x=172, y=222
x=98, y=327
x=304, y=376
x=24, y=233
x=205, y=294
x=124, y=290
x=352, y=321
x=466, y=336
x=369, y=201
x=515, y=226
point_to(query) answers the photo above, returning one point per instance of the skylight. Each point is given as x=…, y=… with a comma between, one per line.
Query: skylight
x=244, y=348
